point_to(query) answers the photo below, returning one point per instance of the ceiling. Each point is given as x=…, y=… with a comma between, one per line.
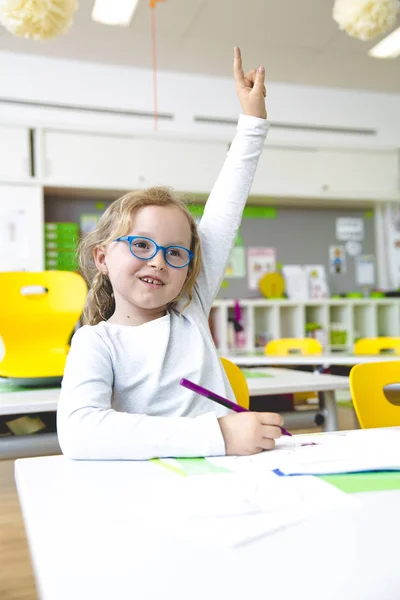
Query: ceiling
x=296, y=40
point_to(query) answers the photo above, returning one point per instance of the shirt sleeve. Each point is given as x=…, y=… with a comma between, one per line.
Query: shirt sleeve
x=224, y=209
x=89, y=428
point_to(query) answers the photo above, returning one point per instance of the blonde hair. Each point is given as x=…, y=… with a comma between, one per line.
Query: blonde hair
x=117, y=221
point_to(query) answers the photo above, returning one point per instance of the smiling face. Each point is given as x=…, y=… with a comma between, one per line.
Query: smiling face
x=143, y=288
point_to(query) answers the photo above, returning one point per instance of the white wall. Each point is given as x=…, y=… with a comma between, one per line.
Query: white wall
x=39, y=79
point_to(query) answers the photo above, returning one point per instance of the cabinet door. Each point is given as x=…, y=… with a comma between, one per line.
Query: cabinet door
x=286, y=171
x=189, y=166
x=91, y=160
x=21, y=228
x=359, y=174
x=14, y=153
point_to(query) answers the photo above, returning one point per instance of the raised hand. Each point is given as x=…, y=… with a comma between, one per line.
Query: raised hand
x=250, y=88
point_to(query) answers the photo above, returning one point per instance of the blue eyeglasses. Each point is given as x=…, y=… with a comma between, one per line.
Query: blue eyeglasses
x=146, y=248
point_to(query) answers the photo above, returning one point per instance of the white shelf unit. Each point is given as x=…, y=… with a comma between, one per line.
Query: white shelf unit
x=286, y=318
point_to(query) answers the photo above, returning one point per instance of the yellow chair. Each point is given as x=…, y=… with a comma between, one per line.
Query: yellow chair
x=287, y=346
x=293, y=346
x=38, y=312
x=238, y=382
x=367, y=381
x=378, y=345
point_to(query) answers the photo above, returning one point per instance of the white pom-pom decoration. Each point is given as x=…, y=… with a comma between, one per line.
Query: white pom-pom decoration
x=365, y=19
x=37, y=19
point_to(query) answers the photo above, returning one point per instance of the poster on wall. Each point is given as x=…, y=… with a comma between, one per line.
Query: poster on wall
x=349, y=229
x=365, y=270
x=259, y=262
x=317, y=283
x=236, y=266
x=337, y=260
x=392, y=243
x=296, y=284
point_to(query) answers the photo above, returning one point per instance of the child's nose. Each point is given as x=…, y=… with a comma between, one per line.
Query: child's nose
x=158, y=260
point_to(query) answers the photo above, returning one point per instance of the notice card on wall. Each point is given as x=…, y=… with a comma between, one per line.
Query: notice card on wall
x=349, y=229
x=318, y=286
x=236, y=266
x=259, y=262
x=365, y=270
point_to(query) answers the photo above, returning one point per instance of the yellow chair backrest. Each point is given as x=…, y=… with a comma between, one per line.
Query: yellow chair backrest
x=367, y=381
x=238, y=382
x=287, y=346
x=378, y=345
x=38, y=312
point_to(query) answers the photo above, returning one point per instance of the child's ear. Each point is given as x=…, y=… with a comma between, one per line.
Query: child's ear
x=99, y=257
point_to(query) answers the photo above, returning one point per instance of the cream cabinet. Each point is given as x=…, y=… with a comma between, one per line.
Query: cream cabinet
x=15, y=156
x=21, y=228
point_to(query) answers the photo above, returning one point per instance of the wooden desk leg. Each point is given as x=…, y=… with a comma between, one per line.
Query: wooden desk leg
x=328, y=405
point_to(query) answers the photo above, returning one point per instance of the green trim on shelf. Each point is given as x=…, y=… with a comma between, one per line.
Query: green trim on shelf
x=250, y=212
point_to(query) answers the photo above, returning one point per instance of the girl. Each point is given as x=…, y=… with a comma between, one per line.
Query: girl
x=153, y=276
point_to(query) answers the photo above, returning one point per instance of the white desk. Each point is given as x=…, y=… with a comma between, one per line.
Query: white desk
x=277, y=381
x=83, y=547
x=251, y=359
x=29, y=401
x=280, y=381
x=289, y=381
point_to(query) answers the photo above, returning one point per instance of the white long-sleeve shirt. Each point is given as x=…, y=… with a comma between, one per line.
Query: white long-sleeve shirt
x=120, y=396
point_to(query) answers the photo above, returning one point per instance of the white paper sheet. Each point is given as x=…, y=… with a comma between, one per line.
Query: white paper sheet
x=296, y=282
x=236, y=509
x=344, y=452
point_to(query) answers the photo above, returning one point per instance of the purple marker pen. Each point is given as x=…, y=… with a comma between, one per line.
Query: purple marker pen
x=198, y=389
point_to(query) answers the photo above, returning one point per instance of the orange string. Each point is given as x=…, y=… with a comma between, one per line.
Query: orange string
x=152, y=5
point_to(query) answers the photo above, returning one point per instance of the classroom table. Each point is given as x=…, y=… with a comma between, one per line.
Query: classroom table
x=269, y=381
x=259, y=359
x=24, y=402
x=87, y=541
x=290, y=381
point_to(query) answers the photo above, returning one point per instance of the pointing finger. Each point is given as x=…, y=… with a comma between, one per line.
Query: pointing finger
x=237, y=66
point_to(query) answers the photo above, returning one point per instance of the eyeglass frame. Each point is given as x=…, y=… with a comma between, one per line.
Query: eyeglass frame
x=130, y=238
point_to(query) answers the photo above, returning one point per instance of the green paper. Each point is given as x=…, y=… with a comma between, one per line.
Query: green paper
x=250, y=212
x=165, y=465
x=251, y=373
x=353, y=483
x=199, y=466
x=196, y=210
x=259, y=212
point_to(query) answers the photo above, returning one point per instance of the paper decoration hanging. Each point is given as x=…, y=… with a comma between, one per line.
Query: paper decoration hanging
x=37, y=19
x=365, y=19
